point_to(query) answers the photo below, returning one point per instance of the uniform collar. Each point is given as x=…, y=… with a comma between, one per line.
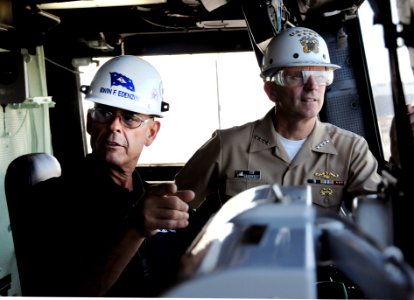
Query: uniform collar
x=264, y=133
x=264, y=136
x=320, y=139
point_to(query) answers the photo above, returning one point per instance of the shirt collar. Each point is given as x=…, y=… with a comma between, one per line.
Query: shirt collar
x=264, y=136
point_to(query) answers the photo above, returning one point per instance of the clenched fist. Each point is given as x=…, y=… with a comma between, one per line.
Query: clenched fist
x=162, y=207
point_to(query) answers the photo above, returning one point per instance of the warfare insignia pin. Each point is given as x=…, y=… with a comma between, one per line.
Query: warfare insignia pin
x=326, y=174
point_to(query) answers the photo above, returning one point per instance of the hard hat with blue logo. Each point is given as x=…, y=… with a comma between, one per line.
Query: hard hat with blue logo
x=128, y=82
x=296, y=46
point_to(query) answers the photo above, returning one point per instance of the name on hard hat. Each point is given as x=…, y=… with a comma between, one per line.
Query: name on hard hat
x=117, y=93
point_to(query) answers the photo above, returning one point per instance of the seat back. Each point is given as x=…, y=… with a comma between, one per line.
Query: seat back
x=22, y=173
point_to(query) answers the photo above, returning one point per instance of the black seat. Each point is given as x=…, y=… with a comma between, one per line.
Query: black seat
x=22, y=173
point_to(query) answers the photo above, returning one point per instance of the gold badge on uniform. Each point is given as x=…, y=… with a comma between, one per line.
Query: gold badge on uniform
x=326, y=174
x=326, y=191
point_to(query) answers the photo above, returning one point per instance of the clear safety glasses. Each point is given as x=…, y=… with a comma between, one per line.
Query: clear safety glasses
x=128, y=119
x=299, y=78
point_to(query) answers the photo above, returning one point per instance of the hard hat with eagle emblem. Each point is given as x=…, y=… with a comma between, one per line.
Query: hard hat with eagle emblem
x=296, y=46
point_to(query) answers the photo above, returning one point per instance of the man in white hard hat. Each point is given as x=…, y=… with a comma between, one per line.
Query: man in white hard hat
x=289, y=145
x=103, y=231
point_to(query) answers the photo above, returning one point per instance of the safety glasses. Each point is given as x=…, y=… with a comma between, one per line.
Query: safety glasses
x=128, y=119
x=299, y=78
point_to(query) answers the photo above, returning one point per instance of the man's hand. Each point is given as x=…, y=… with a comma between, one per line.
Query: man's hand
x=163, y=207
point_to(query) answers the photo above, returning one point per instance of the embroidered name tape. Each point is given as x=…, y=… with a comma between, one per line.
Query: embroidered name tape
x=246, y=174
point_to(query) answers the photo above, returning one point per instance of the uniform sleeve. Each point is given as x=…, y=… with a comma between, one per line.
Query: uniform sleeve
x=201, y=172
x=363, y=172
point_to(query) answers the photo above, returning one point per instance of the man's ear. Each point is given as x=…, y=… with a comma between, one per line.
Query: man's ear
x=270, y=89
x=152, y=131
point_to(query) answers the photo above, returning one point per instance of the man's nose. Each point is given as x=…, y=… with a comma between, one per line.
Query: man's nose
x=311, y=83
x=116, y=122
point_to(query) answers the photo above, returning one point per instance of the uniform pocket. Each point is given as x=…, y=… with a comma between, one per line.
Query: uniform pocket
x=327, y=196
x=235, y=186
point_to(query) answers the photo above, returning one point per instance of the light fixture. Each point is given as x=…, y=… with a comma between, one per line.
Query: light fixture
x=97, y=3
x=221, y=24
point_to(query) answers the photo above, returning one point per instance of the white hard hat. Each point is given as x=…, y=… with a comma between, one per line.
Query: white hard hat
x=129, y=83
x=296, y=46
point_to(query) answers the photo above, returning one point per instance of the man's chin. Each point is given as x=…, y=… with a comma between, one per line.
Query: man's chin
x=112, y=156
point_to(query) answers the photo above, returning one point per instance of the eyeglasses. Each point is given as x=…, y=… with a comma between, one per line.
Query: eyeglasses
x=300, y=78
x=128, y=119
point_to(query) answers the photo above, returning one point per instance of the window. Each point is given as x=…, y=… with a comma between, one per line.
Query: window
x=378, y=66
